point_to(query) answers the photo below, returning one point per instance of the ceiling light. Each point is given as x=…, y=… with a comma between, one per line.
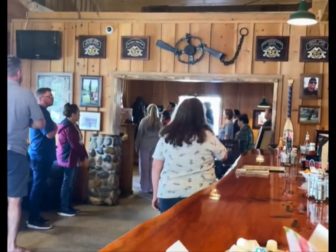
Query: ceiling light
x=302, y=16
x=264, y=104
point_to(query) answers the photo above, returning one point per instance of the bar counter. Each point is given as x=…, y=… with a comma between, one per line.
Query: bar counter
x=215, y=217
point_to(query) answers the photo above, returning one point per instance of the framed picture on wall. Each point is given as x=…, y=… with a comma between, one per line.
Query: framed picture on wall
x=272, y=48
x=61, y=89
x=90, y=91
x=311, y=86
x=314, y=49
x=258, y=118
x=133, y=47
x=91, y=46
x=89, y=121
x=309, y=114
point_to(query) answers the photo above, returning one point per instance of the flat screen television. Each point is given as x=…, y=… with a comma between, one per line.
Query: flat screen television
x=41, y=45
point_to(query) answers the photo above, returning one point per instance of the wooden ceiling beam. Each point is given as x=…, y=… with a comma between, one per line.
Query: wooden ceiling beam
x=321, y=9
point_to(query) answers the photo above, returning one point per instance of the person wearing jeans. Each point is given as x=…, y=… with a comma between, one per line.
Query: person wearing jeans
x=42, y=153
x=67, y=187
x=70, y=152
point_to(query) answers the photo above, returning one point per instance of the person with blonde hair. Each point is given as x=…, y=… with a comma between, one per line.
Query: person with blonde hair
x=145, y=142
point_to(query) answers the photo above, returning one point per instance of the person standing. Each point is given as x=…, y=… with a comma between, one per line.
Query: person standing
x=268, y=117
x=236, y=114
x=209, y=114
x=245, y=135
x=70, y=152
x=42, y=153
x=22, y=112
x=145, y=142
x=226, y=132
x=183, y=160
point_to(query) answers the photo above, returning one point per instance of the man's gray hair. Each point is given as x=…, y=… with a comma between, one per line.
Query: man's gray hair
x=13, y=65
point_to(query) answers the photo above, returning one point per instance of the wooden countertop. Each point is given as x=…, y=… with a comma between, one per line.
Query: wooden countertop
x=248, y=207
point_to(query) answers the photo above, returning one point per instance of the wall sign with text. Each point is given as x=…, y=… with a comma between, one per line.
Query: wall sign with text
x=272, y=48
x=134, y=47
x=92, y=46
x=314, y=49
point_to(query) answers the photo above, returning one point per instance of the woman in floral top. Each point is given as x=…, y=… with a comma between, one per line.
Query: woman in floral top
x=183, y=160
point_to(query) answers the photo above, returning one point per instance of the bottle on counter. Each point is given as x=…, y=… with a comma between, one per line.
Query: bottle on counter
x=306, y=142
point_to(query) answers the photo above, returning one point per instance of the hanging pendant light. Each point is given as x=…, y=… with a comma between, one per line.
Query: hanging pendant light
x=302, y=16
x=264, y=104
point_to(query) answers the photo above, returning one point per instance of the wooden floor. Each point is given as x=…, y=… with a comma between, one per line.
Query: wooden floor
x=93, y=228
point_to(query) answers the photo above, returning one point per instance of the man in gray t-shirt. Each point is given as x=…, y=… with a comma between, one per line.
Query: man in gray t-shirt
x=22, y=112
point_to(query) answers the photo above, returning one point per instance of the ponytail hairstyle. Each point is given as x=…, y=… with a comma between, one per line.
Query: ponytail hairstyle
x=70, y=109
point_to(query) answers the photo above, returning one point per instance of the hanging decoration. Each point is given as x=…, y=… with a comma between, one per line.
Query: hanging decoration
x=190, y=49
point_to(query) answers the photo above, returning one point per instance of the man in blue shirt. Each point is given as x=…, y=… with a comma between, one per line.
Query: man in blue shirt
x=22, y=112
x=42, y=152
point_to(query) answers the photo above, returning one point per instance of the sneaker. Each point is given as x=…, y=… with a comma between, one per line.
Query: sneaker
x=43, y=219
x=67, y=213
x=37, y=224
x=77, y=211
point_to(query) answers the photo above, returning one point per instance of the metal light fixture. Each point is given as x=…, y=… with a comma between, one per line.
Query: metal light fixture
x=302, y=16
x=264, y=104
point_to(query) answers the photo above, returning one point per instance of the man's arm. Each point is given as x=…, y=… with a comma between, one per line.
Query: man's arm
x=37, y=124
x=52, y=134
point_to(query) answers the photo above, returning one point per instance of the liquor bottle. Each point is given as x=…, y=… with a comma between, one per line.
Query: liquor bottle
x=306, y=142
x=288, y=132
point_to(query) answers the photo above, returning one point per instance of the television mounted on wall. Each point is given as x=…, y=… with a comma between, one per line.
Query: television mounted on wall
x=40, y=45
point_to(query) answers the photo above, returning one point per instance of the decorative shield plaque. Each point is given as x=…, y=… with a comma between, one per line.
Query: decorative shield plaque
x=92, y=47
x=272, y=48
x=134, y=47
x=314, y=49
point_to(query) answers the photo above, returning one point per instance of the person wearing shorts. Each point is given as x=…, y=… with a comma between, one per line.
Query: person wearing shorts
x=22, y=112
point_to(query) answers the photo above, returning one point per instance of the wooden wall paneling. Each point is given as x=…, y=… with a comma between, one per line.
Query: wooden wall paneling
x=107, y=66
x=69, y=46
x=223, y=38
x=153, y=30
x=243, y=64
x=266, y=29
x=203, y=32
x=125, y=29
x=167, y=58
x=158, y=92
x=94, y=63
x=230, y=95
x=138, y=29
x=181, y=30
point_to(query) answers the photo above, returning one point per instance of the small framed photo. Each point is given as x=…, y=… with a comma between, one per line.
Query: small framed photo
x=92, y=46
x=311, y=86
x=314, y=49
x=90, y=91
x=258, y=118
x=89, y=121
x=309, y=114
x=272, y=48
x=133, y=47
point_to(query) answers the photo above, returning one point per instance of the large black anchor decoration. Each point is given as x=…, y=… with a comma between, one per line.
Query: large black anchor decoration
x=190, y=49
